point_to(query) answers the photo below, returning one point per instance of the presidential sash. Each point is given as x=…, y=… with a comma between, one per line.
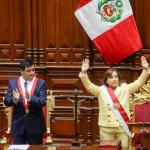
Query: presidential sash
x=120, y=114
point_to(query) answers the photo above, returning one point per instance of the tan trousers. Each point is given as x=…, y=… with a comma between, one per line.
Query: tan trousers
x=114, y=133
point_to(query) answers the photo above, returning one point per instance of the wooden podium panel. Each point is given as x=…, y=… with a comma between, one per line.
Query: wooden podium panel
x=49, y=147
x=110, y=145
x=137, y=127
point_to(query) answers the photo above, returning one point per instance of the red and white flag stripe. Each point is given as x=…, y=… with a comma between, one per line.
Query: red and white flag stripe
x=115, y=40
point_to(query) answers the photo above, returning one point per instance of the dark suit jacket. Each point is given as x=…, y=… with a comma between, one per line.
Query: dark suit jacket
x=33, y=122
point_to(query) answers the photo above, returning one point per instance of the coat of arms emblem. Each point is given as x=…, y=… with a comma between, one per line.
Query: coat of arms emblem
x=110, y=10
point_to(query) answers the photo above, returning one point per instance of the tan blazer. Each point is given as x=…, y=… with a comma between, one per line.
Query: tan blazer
x=106, y=116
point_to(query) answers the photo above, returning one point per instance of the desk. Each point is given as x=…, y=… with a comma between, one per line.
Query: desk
x=136, y=127
x=46, y=147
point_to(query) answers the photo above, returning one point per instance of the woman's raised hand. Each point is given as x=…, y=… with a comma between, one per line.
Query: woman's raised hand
x=144, y=63
x=85, y=65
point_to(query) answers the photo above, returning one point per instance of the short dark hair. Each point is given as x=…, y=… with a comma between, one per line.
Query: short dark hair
x=108, y=74
x=25, y=63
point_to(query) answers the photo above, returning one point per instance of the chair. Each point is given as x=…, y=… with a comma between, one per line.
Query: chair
x=47, y=110
x=140, y=110
x=6, y=137
x=142, y=117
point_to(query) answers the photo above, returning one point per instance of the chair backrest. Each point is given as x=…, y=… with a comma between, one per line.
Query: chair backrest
x=141, y=112
x=6, y=137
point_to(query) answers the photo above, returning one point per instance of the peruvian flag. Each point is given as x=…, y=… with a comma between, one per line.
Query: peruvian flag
x=111, y=27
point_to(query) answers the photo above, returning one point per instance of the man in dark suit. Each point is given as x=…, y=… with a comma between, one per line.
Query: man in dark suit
x=27, y=95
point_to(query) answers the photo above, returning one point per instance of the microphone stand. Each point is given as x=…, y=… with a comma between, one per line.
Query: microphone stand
x=76, y=101
x=143, y=130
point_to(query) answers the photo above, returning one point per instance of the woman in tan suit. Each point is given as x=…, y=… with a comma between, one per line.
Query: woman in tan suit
x=113, y=99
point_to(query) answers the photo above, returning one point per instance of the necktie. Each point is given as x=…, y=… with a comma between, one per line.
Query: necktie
x=27, y=106
x=26, y=90
x=25, y=84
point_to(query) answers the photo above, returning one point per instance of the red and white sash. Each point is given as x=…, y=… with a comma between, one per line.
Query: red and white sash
x=120, y=114
x=33, y=85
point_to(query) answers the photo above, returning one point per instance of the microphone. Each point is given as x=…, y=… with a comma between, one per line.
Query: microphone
x=19, y=119
x=2, y=129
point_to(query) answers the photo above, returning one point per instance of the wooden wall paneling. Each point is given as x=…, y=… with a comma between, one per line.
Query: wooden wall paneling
x=14, y=34
x=91, y=110
x=66, y=34
x=64, y=116
x=6, y=31
x=51, y=45
x=98, y=59
x=18, y=27
x=34, y=6
x=63, y=127
x=80, y=40
x=41, y=13
x=64, y=31
x=97, y=76
x=88, y=115
x=136, y=6
x=61, y=81
x=81, y=127
x=128, y=75
x=27, y=28
x=63, y=120
x=89, y=131
x=4, y=22
x=14, y=24
x=141, y=13
x=95, y=128
x=145, y=21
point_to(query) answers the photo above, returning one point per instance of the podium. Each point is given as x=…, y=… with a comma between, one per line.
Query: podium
x=51, y=147
x=137, y=127
x=110, y=145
